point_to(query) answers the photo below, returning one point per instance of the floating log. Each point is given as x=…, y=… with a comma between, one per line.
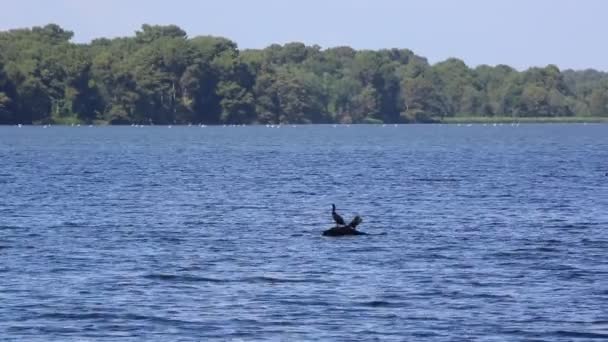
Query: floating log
x=342, y=231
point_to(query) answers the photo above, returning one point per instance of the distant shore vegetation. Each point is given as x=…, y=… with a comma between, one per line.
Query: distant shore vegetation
x=162, y=76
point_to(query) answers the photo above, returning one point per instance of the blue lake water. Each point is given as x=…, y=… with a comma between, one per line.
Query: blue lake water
x=491, y=233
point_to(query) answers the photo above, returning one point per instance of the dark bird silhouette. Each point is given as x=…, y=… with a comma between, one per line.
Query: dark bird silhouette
x=339, y=220
x=355, y=222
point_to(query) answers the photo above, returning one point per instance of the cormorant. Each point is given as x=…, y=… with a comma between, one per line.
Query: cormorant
x=339, y=220
x=355, y=222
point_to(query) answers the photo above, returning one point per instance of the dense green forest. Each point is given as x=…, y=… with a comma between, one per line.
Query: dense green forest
x=161, y=76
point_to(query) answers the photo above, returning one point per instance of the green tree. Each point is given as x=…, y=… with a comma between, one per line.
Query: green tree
x=422, y=101
x=598, y=102
x=7, y=114
x=160, y=75
x=150, y=33
x=237, y=103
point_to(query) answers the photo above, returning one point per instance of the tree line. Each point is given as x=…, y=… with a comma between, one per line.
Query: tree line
x=160, y=76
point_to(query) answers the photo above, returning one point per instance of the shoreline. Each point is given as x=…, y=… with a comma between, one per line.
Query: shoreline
x=444, y=121
x=509, y=119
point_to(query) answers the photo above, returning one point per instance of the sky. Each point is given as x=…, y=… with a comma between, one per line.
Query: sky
x=519, y=33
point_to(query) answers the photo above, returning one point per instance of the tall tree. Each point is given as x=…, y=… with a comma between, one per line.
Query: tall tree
x=160, y=75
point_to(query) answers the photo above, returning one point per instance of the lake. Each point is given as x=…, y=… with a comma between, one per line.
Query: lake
x=493, y=233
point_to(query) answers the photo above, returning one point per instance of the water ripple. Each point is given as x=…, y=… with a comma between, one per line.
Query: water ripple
x=489, y=234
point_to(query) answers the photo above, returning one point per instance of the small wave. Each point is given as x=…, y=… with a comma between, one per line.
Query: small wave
x=424, y=334
x=195, y=223
x=183, y=278
x=171, y=239
x=381, y=304
x=304, y=303
x=493, y=296
x=436, y=179
x=547, y=250
x=366, y=249
x=534, y=250
x=433, y=256
x=578, y=334
x=511, y=255
x=106, y=316
x=158, y=319
x=79, y=316
x=422, y=318
x=71, y=224
x=191, y=278
x=480, y=284
x=61, y=269
x=299, y=192
x=567, y=226
x=265, y=279
x=239, y=207
x=552, y=242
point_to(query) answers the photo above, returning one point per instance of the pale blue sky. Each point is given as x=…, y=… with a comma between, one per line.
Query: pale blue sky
x=521, y=33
